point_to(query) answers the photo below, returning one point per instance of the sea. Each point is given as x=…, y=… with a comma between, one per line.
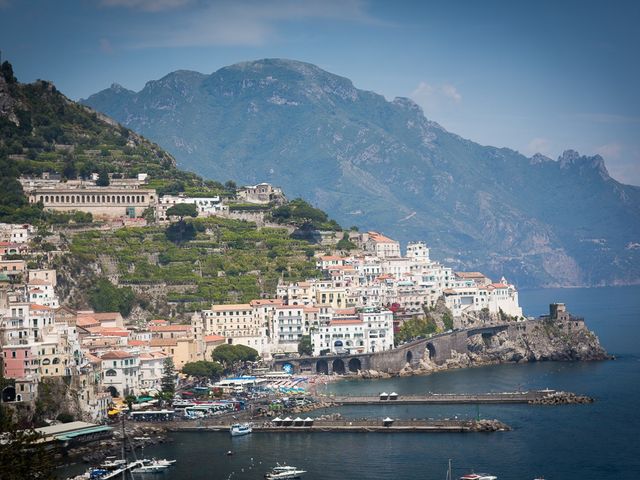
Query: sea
x=594, y=441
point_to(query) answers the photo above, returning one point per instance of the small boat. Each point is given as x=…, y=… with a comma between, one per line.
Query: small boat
x=111, y=463
x=151, y=466
x=478, y=476
x=238, y=429
x=284, y=472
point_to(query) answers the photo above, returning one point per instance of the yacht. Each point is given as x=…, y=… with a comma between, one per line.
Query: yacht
x=478, y=476
x=238, y=429
x=284, y=472
x=152, y=466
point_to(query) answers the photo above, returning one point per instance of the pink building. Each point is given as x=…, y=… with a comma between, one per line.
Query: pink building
x=16, y=360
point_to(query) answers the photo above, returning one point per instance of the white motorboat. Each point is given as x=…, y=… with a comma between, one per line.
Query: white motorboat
x=152, y=466
x=238, y=429
x=111, y=463
x=478, y=476
x=284, y=472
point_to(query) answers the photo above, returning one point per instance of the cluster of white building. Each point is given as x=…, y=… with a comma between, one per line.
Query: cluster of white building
x=357, y=300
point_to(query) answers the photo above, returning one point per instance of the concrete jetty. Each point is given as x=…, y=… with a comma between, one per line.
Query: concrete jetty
x=365, y=425
x=530, y=397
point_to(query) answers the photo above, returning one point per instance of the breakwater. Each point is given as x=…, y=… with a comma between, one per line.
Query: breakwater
x=364, y=426
x=536, y=397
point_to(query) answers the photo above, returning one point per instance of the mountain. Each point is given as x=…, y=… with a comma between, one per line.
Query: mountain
x=382, y=165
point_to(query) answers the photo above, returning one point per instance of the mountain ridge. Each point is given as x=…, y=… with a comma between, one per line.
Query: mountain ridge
x=383, y=165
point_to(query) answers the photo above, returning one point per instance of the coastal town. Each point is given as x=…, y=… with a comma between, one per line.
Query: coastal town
x=369, y=310
x=355, y=304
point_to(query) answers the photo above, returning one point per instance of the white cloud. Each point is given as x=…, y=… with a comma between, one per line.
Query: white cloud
x=610, y=150
x=146, y=5
x=451, y=92
x=435, y=98
x=229, y=22
x=538, y=145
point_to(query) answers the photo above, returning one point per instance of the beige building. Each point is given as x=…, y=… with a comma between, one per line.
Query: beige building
x=101, y=202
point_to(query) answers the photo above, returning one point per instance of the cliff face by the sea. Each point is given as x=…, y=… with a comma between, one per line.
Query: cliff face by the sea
x=530, y=341
x=549, y=340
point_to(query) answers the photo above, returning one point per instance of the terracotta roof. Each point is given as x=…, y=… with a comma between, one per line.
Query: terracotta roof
x=37, y=281
x=345, y=321
x=329, y=258
x=158, y=321
x=116, y=354
x=137, y=343
x=289, y=307
x=499, y=285
x=213, y=338
x=86, y=321
x=35, y=306
x=108, y=332
x=170, y=328
x=152, y=355
x=106, y=315
x=235, y=306
x=379, y=238
x=311, y=309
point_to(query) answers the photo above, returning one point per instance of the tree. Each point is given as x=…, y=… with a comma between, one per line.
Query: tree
x=129, y=400
x=304, y=345
x=203, y=369
x=22, y=453
x=416, y=327
x=180, y=232
x=106, y=297
x=231, y=186
x=6, y=70
x=232, y=355
x=168, y=381
x=183, y=210
x=103, y=178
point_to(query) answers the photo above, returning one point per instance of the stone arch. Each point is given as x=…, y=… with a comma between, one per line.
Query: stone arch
x=9, y=394
x=409, y=356
x=305, y=366
x=46, y=198
x=432, y=351
x=18, y=398
x=56, y=361
x=288, y=367
x=355, y=365
x=113, y=391
x=338, y=366
x=322, y=367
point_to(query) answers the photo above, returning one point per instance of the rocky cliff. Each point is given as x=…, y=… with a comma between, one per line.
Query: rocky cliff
x=542, y=341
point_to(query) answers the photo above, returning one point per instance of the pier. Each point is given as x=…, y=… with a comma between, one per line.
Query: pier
x=365, y=425
x=533, y=397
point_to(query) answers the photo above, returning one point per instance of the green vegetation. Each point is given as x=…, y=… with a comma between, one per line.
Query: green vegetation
x=106, y=297
x=232, y=356
x=182, y=210
x=43, y=131
x=416, y=327
x=227, y=261
x=168, y=381
x=203, y=369
x=21, y=453
x=304, y=345
x=302, y=214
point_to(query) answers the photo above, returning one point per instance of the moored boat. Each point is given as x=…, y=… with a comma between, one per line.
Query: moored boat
x=478, y=476
x=284, y=472
x=238, y=429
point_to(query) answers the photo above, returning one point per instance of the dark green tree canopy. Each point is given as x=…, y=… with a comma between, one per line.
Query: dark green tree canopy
x=304, y=345
x=183, y=210
x=202, y=369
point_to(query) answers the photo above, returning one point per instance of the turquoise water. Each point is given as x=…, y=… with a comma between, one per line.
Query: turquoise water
x=598, y=441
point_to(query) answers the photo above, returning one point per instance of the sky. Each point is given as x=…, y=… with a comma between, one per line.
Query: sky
x=538, y=76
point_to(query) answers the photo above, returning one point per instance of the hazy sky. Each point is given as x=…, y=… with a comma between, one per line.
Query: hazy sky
x=538, y=76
